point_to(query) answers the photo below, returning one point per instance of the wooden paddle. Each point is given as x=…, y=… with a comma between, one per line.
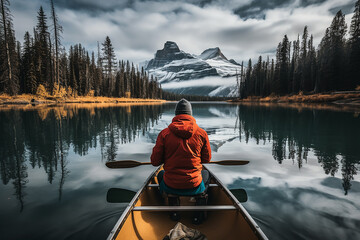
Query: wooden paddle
x=132, y=163
x=119, y=195
x=240, y=194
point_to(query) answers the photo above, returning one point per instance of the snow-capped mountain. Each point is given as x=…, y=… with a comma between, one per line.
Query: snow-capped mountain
x=209, y=73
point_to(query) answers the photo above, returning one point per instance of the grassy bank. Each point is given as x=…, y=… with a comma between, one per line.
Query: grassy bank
x=350, y=97
x=26, y=99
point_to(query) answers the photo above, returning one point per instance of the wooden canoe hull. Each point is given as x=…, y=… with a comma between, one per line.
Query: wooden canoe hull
x=147, y=216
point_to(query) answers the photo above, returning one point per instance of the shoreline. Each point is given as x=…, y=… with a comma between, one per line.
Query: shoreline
x=28, y=99
x=340, y=98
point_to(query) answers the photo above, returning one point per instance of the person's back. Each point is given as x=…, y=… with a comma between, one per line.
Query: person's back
x=182, y=148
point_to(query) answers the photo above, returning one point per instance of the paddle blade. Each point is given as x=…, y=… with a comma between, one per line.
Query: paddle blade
x=124, y=164
x=119, y=195
x=231, y=162
x=240, y=194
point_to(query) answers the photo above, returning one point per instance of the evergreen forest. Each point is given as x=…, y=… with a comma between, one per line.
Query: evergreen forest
x=301, y=68
x=42, y=65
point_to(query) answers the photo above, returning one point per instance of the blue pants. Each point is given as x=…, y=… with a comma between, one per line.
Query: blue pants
x=185, y=192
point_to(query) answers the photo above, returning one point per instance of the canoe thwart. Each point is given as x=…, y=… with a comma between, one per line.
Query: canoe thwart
x=185, y=208
x=157, y=185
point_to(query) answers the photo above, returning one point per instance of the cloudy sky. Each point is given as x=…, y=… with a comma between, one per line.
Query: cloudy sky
x=137, y=28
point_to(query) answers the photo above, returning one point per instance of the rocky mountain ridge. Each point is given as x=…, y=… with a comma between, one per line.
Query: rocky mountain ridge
x=209, y=73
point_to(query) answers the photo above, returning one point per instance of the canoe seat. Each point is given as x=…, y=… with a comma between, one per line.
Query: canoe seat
x=201, y=199
x=199, y=214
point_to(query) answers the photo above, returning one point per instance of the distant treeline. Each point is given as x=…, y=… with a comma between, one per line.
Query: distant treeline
x=300, y=68
x=42, y=64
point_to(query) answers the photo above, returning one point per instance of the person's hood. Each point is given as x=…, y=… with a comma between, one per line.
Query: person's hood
x=183, y=126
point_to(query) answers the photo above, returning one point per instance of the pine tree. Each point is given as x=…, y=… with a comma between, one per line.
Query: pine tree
x=15, y=54
x=322, y=62
x=28, y=69
x=258, y=77
x=138, y=83
x=245, y=87
x=311, y=61
x=51, y=67
x=267, y=81
x=64, y=69
x=336, y=66
x=88, y=79
x=295, y=76
x=303, y=60
x=354, y=43
x=99, y=84
x=93, y=74
x=9, y=81
x=122, y=80
x=109, y=64
x=127, y=82
x=42, y=50
x=142, y=83
x=283, y=66
x=132, y=80
x=117, y=84
x=72, y=70
x=275, y=88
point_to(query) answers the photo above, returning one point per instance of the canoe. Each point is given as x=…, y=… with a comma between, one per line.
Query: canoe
x=147, y=217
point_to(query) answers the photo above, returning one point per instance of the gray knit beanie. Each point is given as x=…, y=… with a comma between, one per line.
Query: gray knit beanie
x=183, y=107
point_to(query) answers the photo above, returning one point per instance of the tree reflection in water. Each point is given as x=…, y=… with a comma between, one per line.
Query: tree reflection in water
x=294, y=131
x=43, y=136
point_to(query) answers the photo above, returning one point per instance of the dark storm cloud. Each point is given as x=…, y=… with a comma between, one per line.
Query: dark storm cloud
x=138, y=28
x=257, y=8
x=346, y=9
x=94, y=6
x=97, y=6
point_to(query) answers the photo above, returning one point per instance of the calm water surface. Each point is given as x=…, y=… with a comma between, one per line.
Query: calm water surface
x=302, y=182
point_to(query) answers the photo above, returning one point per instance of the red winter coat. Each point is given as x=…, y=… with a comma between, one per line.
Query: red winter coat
x=182, y=147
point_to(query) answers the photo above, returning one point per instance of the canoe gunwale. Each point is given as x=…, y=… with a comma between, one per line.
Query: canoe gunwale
x=257, y=230
x=129, y=208
x=237, y=206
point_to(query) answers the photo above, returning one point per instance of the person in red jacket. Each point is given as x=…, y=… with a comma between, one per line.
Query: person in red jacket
x=182, y=147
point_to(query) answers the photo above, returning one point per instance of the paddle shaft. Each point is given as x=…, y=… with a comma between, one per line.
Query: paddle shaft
x=229, y=162
x=125, y=164
x=132, y=163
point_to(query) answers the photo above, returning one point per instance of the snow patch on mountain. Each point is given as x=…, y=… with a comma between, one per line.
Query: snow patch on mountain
x=211, y=86
x=223, y=68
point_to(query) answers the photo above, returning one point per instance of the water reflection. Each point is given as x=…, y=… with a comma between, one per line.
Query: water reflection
x=301, y=212
x=332, y=136
x=43, y=136
x=52, y=161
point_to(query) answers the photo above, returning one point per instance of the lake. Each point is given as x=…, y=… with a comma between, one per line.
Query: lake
x=302, y=180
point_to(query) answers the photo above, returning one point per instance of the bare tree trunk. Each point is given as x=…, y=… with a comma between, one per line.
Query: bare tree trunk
x=51, y=69
x=7, y=52
x=56, y=33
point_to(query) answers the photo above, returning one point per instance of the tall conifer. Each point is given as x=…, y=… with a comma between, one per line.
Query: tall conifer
x=354, y=42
